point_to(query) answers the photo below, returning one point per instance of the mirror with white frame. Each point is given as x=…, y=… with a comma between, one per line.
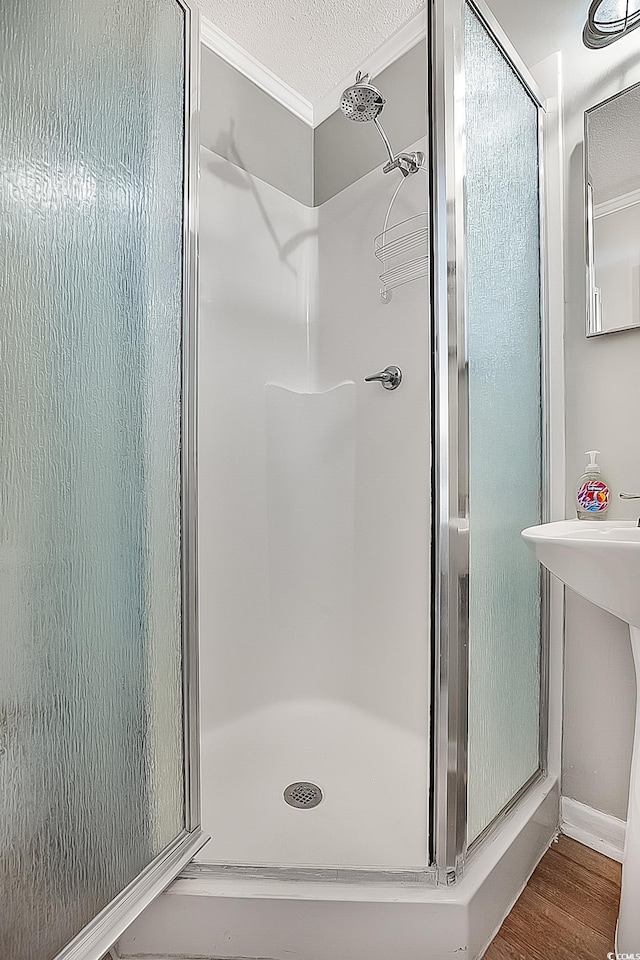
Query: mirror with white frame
x=612, y=195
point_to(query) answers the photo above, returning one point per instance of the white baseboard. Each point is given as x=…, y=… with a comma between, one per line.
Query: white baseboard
x=597, y=830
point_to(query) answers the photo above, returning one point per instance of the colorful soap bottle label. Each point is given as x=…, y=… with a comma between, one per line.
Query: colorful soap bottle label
x=593, y=495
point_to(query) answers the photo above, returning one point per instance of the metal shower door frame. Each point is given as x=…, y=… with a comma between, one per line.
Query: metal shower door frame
x=99, y=935
x=450, y=432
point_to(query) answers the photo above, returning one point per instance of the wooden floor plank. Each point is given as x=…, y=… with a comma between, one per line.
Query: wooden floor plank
x=536, y=924
x=501, y=950
x=595, y=862
x=567, y=911
x=583, y=894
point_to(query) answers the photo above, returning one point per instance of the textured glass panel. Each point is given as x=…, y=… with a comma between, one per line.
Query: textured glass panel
x=503, y=317
x=90, y=280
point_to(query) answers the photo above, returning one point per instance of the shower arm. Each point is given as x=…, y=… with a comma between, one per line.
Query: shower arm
x=385, y=138
x=406, y=163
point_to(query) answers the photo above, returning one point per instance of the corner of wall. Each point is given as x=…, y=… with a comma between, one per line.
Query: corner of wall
x=243, y=123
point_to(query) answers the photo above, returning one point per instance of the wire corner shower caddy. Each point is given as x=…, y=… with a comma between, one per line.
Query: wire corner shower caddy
x=395, y=248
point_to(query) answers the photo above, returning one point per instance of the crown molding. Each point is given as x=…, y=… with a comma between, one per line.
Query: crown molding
x=246, y=64
x=397, y=44
x=606, y=207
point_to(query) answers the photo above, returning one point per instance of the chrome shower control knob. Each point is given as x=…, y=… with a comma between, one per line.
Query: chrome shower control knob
x=390, y=378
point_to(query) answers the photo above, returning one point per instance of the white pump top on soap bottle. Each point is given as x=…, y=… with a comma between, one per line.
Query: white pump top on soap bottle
x=593, y=466
x=593, y=495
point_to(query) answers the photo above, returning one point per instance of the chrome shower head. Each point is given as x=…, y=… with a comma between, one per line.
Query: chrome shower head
x=362, y=102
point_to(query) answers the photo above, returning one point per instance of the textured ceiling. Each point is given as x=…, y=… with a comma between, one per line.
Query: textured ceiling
x=310, y=44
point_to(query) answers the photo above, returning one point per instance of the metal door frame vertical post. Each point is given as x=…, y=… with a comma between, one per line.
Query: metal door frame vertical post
x=450, y=542
x=189, y=500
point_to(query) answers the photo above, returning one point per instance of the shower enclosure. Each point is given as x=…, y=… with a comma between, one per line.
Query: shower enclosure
x=373, y=634
x=415, y=715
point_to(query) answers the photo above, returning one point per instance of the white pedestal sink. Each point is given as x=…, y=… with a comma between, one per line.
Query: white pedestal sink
x=600, y=559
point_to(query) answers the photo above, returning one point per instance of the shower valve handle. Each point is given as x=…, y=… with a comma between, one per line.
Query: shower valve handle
x=390, y=378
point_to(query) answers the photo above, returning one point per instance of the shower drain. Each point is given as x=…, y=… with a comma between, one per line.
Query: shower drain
x=303, y=795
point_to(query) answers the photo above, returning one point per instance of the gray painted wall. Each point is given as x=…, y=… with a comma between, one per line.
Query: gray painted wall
x=603, y=404
x=602, y=410
x=243, y=124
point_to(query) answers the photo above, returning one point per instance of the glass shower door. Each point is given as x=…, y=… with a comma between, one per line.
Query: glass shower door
x=488, y=455
x=97, y=711
x=503, y=307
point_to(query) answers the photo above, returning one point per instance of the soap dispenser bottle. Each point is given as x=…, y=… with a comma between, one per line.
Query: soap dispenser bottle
x=592, y=498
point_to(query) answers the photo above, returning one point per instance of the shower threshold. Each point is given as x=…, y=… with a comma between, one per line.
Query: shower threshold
x=222, y=912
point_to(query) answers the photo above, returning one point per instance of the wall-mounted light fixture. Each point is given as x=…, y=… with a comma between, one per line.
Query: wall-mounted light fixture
x=609, y=20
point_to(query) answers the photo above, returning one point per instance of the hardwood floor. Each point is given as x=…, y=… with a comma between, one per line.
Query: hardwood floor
x=567, y=911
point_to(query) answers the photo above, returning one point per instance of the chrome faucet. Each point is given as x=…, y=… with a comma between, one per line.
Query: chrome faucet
x=390, y=378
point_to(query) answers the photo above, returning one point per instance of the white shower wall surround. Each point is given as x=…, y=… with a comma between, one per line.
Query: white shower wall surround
x=314, y=529
x=310, y=439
